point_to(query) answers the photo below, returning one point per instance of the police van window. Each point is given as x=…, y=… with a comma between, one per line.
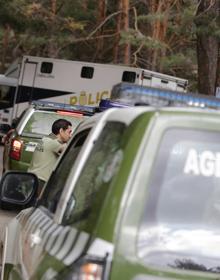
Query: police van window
x=129, y=76
x=46, y=67
x=91, y=188
x=87, y=72
x=56, y=183
x=6, y=96
x=181, y=217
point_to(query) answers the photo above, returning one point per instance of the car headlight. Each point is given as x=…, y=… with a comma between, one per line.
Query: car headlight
x=86, y=269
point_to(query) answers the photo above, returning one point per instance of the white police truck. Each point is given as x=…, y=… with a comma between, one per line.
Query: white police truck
x=73, y=82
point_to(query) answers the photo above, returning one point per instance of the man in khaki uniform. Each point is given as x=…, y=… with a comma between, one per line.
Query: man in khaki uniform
x=49, y=149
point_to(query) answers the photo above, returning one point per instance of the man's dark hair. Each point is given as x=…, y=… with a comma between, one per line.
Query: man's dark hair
x=60, y=123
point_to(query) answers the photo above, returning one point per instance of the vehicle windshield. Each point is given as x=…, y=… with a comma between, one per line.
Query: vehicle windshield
x=92, y=186
x=181, y=221
x=6, y=96
x=40, y=122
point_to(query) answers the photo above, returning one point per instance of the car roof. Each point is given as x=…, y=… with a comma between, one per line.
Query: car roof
x=128, y=114
x=175, y=109
x=114, y=114
x=54, y=106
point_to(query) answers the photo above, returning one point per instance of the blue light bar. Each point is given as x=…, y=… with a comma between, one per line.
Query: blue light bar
x=107, y=103
x=63, y=106
x=135, y=94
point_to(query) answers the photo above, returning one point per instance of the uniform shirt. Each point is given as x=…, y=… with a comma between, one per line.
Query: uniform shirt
x=45, y=156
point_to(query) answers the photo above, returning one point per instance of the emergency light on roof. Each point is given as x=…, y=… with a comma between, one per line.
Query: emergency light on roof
x=134, y=94
x=62, y=106
x=65, y=113
x=107, y=103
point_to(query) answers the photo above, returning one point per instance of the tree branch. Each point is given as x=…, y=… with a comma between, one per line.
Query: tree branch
x=102, y=23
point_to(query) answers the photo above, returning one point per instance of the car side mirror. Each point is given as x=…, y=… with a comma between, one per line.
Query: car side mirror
x=18, y=190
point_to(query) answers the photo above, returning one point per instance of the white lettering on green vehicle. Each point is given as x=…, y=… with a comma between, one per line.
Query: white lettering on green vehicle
x=206, y=163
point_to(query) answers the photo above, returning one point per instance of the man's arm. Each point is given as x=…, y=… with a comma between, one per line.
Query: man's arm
x=61, y=148
x=57, y=147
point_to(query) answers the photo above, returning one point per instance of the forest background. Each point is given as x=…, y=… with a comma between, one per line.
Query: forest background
x=176, y=37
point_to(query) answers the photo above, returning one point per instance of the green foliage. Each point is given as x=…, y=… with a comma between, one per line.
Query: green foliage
x=185, y=64
x=177, y=61
x=151, y=18
x=216, y=33
x=1, y=33
x=135, y=39
x=33, y=26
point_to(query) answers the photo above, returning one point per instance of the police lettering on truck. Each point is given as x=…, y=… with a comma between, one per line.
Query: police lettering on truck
x=90, y=99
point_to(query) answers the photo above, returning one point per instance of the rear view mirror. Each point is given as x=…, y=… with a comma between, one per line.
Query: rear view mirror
x=18, y=190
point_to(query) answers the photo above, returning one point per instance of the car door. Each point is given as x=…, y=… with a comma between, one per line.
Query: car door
x=174, y=189
x=35, y=229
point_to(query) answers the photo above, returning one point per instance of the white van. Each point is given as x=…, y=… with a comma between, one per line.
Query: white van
x=74, y=82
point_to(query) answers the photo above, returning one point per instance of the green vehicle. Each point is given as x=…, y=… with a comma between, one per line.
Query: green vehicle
x=35, y=123
x=135, y=196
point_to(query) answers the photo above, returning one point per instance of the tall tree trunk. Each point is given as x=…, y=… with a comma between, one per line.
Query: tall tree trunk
x=101, y=18
x=117, y=38
x=5, y=45
x=125, y=27
x=207, y=48
x=52, y=46
x=159, y=29
x=217, y=84
x=53, y=7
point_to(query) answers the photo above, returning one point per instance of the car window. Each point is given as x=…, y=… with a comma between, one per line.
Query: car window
x=91, y=188
x=181, y=220
x=41, y=122
x=57, y=180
